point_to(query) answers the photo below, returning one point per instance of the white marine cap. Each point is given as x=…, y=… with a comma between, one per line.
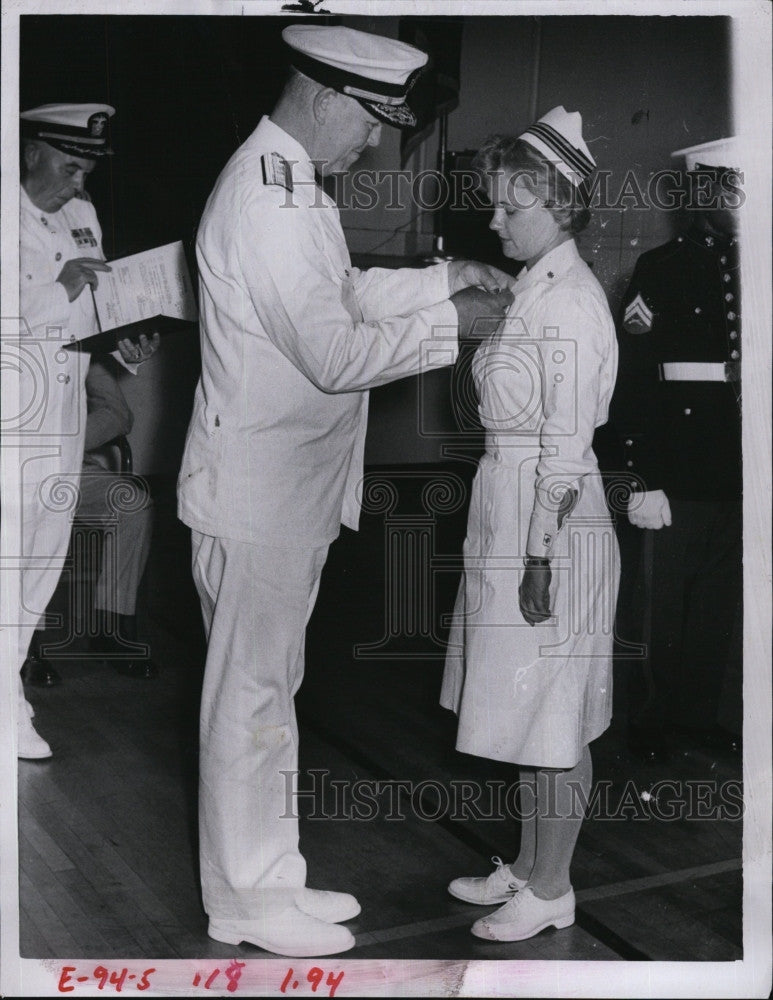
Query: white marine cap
x=718, y=153
x=558, y=136
x=376, y=71
x=81, y=129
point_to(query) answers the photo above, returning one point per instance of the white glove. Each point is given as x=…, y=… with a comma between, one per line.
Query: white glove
x=649, y=510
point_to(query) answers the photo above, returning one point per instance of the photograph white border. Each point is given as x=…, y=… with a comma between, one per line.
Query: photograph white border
x=747, y=978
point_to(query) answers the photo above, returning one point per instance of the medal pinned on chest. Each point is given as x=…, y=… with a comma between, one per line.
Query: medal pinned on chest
x=83, y=237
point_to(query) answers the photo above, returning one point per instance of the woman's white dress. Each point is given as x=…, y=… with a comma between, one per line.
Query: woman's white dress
x=536, y=695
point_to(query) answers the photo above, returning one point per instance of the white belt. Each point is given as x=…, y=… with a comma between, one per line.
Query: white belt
x=700, y=371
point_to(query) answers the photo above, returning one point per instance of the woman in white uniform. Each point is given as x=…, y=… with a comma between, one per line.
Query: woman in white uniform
x=529, y=668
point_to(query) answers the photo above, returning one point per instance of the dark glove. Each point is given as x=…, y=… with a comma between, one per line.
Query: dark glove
x=534, y=591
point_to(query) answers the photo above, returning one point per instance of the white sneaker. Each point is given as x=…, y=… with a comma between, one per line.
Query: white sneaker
x=290, y=932
x=497, y=887
x=29, y=745
x=332, y=907
x=524, y=916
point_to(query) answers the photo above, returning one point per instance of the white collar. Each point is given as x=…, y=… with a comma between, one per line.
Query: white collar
x=553, y=265
x=29, y=205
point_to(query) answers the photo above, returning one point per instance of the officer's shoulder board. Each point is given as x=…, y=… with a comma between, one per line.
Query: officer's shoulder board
x=637, y=317
x=276, y=170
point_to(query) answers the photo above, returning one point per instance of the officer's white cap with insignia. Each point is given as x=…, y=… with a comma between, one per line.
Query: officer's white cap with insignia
x=378, y=72
x=558, y=136
x=720, y=153
x=81, y=129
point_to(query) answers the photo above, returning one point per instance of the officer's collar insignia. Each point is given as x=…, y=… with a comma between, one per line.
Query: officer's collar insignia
x=276, y=170
x=637, y=317
x=97, y=123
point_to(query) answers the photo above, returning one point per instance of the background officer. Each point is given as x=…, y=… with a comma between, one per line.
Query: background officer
x=60, y=256
x=677, y=408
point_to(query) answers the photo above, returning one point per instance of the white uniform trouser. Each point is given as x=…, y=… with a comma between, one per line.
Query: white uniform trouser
x=256, y=602
x=45, y=536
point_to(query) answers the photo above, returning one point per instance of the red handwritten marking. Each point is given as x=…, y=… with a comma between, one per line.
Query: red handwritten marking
x=144, y=983
x=104, y=977
x=64, y=978
x=313, y=976
x=232, y=974
x=117, y=980
x=334, y=982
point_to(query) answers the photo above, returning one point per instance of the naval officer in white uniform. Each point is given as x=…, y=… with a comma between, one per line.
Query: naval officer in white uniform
x=60, y=256
x=292, y=337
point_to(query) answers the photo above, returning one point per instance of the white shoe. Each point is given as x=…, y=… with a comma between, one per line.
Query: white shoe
x=524, y=916
x=497, y=887
x=332, y=907
x=290, y=932
x=29, y=745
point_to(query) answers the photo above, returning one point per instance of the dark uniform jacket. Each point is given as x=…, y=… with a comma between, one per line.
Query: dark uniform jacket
x=682, y=305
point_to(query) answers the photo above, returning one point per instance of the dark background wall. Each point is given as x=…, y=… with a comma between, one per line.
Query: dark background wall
x=189, y=90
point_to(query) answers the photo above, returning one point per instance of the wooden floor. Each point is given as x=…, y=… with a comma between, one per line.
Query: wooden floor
x=108, y=826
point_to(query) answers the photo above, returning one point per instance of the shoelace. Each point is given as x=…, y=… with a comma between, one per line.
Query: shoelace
x=499, y=872
x=509, y=909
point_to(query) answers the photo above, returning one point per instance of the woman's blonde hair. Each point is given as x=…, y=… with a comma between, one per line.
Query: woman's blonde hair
x=567, y=203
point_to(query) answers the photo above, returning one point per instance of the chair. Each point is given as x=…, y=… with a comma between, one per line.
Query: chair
x=71, y=606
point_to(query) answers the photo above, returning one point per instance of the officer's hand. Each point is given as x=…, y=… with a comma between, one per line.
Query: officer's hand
x=79, y=272
x=534, y=593
x=480, y=312
x=134, y=353
x=463, y=273
x=649, y=510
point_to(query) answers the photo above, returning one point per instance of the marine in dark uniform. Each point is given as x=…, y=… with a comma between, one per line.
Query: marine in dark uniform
x=677, y=407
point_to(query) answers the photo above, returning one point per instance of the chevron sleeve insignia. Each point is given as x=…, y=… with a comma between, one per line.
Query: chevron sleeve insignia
x=637, y=317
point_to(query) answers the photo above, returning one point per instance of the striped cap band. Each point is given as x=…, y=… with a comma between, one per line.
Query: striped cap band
x=568, y=159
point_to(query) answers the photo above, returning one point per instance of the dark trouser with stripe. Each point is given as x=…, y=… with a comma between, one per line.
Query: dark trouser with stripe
x=688, y=599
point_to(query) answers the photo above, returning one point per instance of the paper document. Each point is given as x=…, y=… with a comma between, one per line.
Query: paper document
x=146, y=293
x=145, y=285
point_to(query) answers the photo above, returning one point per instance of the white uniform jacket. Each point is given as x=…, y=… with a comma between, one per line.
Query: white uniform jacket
x=291, y=337
x=51, y=381
x=561, y=306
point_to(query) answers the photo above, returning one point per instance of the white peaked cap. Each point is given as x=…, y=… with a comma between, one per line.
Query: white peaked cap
x=377, y=71
x=558, y=136
x=718, y=153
